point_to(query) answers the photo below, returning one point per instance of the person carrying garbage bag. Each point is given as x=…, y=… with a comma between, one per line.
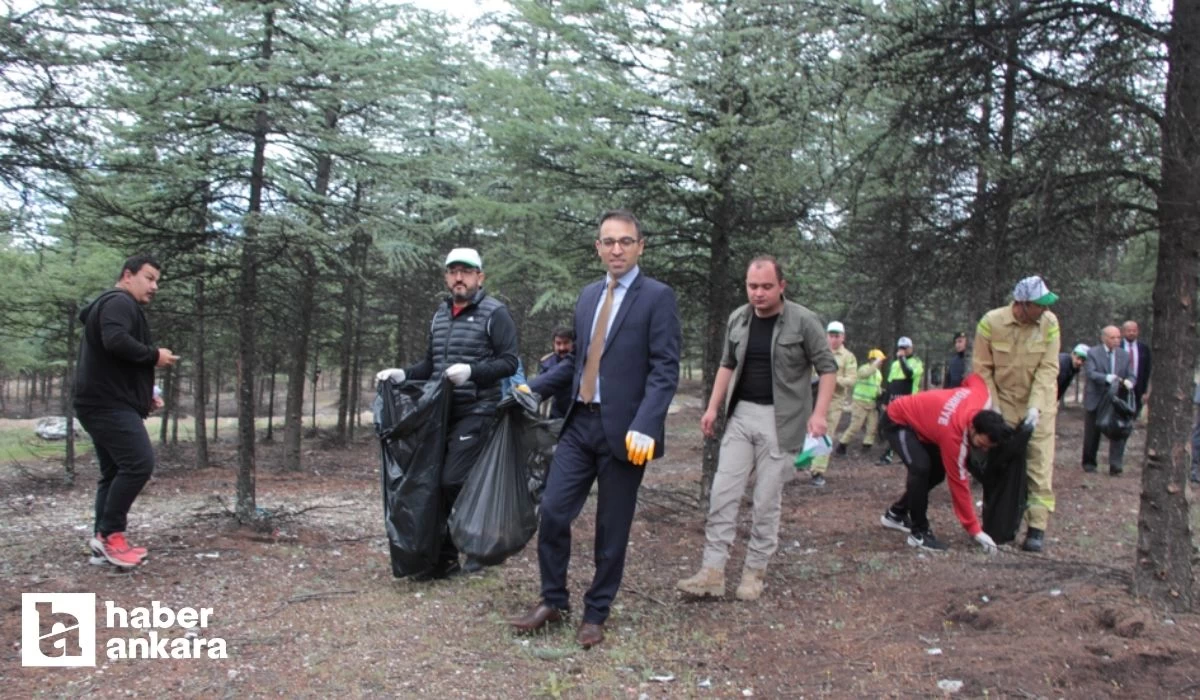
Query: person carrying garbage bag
x=473, y=344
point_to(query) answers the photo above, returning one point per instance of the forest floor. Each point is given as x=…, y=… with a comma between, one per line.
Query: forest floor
x=308, y=607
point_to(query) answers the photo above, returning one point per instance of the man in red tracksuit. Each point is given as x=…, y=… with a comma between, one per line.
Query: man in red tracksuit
x=933, y=432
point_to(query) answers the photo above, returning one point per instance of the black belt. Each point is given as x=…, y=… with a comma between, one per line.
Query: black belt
x=589, y=407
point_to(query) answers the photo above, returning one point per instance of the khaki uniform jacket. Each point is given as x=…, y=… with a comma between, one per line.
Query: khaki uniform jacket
x=1018, y=362
x=847, y=375
x=798, y=345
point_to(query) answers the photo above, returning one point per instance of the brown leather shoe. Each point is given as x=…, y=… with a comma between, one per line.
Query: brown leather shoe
x=536, y=618
x=590, y=634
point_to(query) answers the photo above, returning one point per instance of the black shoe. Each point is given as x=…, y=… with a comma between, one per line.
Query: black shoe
x=472, y=565
x=892, y=521
x=867, y=448
x=1034, y=539
x=926, y=540
x=885, y=459
x=818, y=480
x=1115, y=471
x=1089, y=468
x=840, y=450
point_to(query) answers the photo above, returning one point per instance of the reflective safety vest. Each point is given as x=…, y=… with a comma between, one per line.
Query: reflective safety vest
x=867, y=388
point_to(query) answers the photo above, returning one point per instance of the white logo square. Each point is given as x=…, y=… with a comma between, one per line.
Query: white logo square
x=58, y=629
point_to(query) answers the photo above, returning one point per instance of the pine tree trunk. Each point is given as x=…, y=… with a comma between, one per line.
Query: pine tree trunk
x=68, y=393
x=1163, y=571
x=199, y=380
x=297, y=371
x=246, y=507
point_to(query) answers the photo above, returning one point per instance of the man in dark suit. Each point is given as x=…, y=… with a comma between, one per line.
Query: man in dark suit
x=1139, y=359
x=623, y=376
x=1106, y=364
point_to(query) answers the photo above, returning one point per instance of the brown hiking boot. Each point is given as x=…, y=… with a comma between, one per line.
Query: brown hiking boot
x=753, y=582
x=706, y=582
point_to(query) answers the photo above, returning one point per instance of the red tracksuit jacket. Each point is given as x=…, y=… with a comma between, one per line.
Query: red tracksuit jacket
x=942, y=418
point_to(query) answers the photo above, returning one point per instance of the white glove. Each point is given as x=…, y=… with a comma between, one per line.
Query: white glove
x=640, y=447
x=396, y=375
x=1110, y=378
x=1128, y=383
x=1031, y=417
x=986, y=542
x=458, y=374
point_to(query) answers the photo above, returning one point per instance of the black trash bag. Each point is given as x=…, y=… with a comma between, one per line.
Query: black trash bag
x=495, y=516
x=1116, y=412
x=537, y=438
x=1002, y=474
x=411, y=419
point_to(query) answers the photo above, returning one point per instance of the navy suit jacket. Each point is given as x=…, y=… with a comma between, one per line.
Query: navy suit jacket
x=1142, y=380
x=639, y=370
x=1096, y=368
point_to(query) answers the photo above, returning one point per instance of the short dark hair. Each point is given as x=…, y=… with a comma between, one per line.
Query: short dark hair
x=620, y=215
x=565, y=332
x=135, y=263
x=959, y=334
x=768, y=260
x=992, y=424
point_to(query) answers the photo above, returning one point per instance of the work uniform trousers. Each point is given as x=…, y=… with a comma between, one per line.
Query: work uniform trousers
x=833, y=418
x=862, y=413
x=749, y=450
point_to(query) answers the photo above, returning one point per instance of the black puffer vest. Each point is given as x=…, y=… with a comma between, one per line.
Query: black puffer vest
x=464, y=338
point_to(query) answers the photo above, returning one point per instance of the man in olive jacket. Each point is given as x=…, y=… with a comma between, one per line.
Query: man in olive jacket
x=771, y=348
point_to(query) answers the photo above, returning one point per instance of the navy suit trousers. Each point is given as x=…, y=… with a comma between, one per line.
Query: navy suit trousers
x=582, y=457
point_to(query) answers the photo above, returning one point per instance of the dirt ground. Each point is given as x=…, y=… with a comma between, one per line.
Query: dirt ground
x=308, y=607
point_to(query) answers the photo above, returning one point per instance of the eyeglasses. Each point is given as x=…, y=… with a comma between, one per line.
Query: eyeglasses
x=460, y=271
x=625, y=242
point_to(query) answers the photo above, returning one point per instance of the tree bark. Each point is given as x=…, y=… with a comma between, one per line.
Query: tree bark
x=1163, y=571
x=246, y=508
x=199, y=380
x=293, y=427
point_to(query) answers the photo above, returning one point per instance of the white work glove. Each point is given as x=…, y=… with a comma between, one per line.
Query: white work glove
x=1128, y=383
x=640, y=447
x=396, y=375
x=1110, y=378
x=1031, y=417
x=986, y=542
x=458, y=374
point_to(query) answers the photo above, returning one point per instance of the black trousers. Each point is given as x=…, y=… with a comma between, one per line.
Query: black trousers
x=1091, y=445
x=464, y=442
x=923, y=461
x=126, y=462
x=581, y=458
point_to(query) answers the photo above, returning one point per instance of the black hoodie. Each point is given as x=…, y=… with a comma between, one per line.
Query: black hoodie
x=117, y=355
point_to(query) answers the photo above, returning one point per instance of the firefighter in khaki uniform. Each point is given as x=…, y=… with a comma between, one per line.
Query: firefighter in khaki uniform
x=862, y=411
x=1016, y=353
x=847, y=375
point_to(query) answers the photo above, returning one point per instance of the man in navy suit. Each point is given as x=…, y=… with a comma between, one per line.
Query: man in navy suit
x=622, y=376
x=1139, y=360
x=1106, y=364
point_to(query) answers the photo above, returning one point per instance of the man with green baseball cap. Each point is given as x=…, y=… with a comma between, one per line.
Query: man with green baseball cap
x=1016, y=353
x=1068, y=366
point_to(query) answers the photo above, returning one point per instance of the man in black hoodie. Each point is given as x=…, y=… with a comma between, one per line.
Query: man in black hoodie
x=114, y=392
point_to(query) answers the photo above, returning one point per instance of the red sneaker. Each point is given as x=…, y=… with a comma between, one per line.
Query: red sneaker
x=117, y=551
x=97, y=545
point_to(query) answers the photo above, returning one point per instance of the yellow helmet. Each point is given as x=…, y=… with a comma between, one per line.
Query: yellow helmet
x=876, y=354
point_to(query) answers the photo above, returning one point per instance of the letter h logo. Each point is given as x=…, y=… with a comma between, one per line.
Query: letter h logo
x=58, y=629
